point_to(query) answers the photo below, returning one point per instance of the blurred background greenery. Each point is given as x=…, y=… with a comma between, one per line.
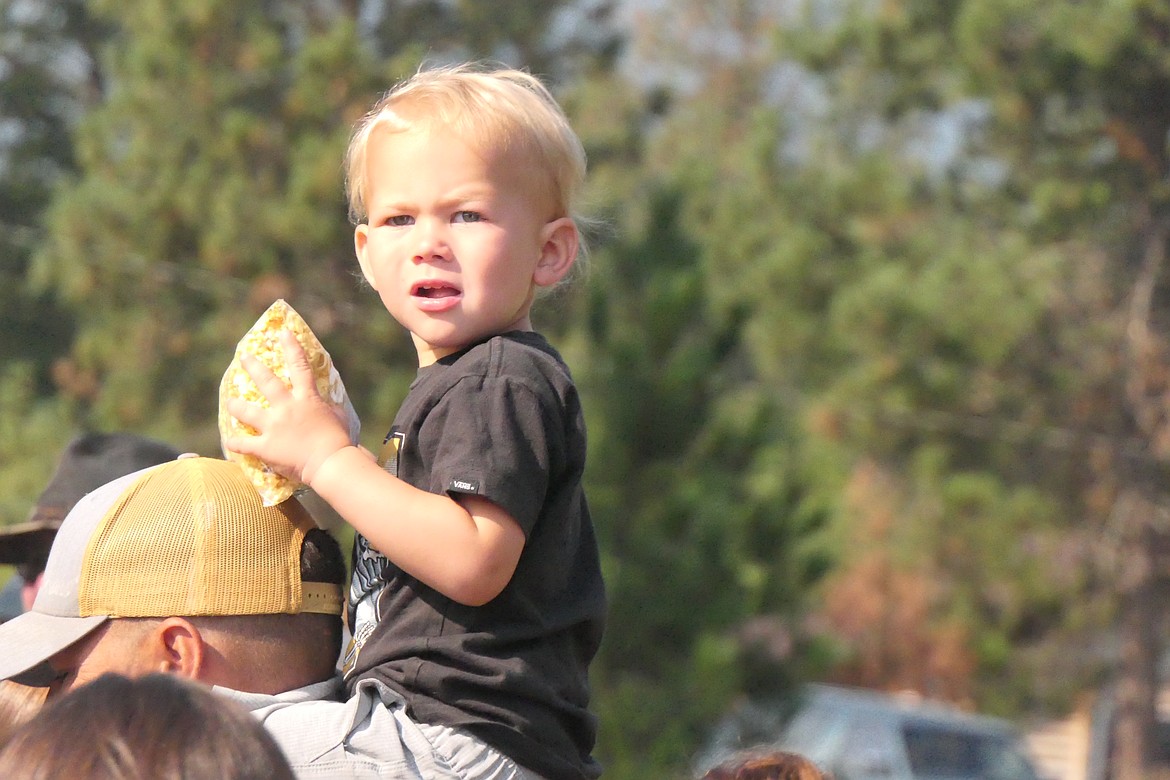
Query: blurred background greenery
x=874, y=340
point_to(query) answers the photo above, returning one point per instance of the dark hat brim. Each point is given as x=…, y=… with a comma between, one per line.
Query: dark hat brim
x=88, y=462
x=27, y=542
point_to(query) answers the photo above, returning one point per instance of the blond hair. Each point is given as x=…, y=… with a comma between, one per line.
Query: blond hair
x=494, y=108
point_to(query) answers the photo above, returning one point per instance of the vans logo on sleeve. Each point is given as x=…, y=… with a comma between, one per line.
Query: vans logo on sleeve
x=463, y=486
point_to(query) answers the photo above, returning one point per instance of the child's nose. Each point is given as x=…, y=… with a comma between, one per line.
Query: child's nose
x=431, y=238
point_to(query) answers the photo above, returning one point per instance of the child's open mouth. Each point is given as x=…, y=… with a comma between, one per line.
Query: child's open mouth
x=435, y=296
x=428, y=291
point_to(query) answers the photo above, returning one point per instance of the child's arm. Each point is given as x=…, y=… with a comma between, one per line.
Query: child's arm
x=467, y=550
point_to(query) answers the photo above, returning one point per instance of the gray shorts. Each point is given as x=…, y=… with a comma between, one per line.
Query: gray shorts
x=472, y=759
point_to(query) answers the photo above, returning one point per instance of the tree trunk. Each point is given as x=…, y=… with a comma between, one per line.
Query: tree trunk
x=1139, y=519
x=1137, y=688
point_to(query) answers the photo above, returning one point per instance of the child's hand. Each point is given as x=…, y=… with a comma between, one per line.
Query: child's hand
x=298, y=430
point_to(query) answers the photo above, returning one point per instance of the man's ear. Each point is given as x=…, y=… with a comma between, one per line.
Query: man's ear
x=361, y=239
x=177, y=647
x=558, y=251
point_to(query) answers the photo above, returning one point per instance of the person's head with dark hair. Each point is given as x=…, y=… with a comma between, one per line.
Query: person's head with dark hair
x=155, y=727
x=766, y=765
x=87, y=462
x=181, y=568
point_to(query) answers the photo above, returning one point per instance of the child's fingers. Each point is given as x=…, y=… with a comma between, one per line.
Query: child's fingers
x=247, y=413
x=300, y=373
x=256, y=369
x=244, y=445
x=269, y=384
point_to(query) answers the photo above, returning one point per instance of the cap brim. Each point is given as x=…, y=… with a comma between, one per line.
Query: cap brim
x=30, y=639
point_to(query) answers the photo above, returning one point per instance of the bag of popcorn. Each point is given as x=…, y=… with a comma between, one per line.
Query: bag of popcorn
x=262, y=341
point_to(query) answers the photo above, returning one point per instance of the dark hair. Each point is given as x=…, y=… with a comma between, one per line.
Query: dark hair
x=157, y=727
x=321, y=558
x=322, y=561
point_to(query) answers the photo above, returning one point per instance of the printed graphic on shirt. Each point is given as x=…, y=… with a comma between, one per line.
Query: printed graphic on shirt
x=369, y=567
x=388, y=457
x=369, y=570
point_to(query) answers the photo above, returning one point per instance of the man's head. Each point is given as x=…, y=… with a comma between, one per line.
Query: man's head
x=88, y=462
x=180, y=568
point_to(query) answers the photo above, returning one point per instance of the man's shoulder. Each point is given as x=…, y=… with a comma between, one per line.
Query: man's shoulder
x=320, y=702
x=365, y=736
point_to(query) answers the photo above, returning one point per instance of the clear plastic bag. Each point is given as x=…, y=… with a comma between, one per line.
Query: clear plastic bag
x=262, y=341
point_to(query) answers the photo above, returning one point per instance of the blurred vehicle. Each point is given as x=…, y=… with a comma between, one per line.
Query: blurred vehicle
x=864, y=735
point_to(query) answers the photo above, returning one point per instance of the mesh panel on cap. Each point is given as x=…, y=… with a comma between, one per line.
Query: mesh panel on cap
x=191, y=538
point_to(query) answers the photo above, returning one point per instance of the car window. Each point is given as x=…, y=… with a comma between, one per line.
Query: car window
x=941, y=753
x=871, y=751
x=813, y=728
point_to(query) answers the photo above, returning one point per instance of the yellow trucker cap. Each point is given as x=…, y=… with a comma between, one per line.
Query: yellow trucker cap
x=186, y=538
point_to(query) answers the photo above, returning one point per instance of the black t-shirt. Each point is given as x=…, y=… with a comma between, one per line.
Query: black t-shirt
x=501, y=420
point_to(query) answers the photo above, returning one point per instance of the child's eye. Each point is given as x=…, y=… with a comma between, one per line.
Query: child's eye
x=467, y=216
x=399, y=220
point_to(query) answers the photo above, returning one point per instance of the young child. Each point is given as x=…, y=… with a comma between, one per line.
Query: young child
x=477, y=591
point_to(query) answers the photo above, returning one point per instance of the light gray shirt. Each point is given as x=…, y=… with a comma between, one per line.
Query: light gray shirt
x=367, y=736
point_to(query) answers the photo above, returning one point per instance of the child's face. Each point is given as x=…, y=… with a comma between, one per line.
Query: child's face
x=456, y=240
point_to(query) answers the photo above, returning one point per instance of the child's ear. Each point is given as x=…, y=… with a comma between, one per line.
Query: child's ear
x=558, y=251
x=361, y=237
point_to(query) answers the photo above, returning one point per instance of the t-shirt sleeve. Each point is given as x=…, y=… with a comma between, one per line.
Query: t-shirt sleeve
x=495, y=438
